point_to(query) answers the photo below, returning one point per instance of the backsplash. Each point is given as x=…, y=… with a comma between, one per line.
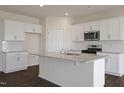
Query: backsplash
x=115, y=46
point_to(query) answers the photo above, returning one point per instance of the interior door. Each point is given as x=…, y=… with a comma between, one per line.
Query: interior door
x=55, y=40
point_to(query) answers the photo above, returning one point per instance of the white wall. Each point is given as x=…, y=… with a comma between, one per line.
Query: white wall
x=117, y=46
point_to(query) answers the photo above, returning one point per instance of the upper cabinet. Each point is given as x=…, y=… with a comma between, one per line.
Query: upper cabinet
x=92, y=26
x=112, y=29
x=33, y=28
x=104, y=30
x=77, y=32
x=13, y=30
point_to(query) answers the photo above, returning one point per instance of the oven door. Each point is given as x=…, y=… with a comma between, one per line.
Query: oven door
x=89, y=36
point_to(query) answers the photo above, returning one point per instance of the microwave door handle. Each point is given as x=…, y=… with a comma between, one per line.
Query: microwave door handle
x=94, y=35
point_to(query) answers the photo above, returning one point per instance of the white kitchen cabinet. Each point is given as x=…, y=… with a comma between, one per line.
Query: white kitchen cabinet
x=104, y=29
x=92, y=26
x=114, y=28
x=0, y=62
x=14, y=61
x=13, y=30
x=33, y=60
x=78, y=32
x=114, y=63
x=33, y=28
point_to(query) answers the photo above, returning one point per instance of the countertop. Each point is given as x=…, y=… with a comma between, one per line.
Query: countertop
x=112, y=52
x=77, y=58
x=34, y=54
x=13, y=51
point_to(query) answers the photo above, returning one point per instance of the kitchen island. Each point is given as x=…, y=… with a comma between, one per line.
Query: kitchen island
x=84, y=70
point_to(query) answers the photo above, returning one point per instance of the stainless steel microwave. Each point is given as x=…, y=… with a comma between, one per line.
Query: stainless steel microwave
x=92, y=36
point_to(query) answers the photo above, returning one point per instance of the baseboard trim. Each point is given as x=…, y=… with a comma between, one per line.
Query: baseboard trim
x=14, y=70
x=114, y=74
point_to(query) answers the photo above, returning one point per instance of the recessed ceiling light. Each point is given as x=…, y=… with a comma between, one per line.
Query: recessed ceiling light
x=66, y=14
x=89, y=6
x=41, y=5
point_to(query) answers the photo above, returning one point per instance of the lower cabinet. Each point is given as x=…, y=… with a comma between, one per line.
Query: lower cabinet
x=114, y=63
x=14, y=61
x=33, y=60
x=0, y=62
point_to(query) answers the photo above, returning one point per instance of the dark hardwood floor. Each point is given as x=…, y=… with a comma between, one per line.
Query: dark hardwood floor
x=25, y=78
x=29, y=78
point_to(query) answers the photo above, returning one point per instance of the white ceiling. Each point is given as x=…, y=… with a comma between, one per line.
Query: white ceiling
x=55, y=10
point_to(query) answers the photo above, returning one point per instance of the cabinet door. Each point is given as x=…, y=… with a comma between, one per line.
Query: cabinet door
x=20, y=34
x=11, y=62
x=78, y=32
x=92, y=26
x=114, y=27
x=33, y=28
x=113, y=61
x=16, y=61
x=10, y=30
x=88, y=26
x=74, y=33
x=29, y=28
x=95, y=26
x=122, y=28
x=38, y=29
x=13, y=30
x=104, y=30
x=22, y=59
x=33, y=60
x=0, y=62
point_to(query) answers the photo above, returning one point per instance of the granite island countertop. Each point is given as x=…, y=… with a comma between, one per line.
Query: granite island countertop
x=83, y=57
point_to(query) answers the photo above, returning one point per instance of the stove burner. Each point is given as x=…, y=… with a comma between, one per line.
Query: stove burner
x=92, y=49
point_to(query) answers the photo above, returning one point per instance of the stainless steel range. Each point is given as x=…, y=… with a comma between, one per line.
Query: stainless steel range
x=93, y=49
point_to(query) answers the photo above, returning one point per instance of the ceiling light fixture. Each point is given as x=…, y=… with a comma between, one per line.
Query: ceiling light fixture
x=66, y=14
x=41, y=5
x=88, y=6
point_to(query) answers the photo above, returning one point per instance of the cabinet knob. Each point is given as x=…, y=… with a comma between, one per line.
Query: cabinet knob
x=108, y=36
x=90, y=28
x=76, y=38
x=15, y=37
x=33, y=29
x=18, y=58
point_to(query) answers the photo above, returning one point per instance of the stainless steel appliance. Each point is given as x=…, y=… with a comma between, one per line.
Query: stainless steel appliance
x=92, y=36
x=93, y=49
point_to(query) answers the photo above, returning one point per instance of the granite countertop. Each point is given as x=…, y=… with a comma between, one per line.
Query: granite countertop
x=112, y=52
x=34, y=54
x=14, y=51
x=77, y=58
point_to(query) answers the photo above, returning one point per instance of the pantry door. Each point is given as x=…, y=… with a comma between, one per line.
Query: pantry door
x=55, y=40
